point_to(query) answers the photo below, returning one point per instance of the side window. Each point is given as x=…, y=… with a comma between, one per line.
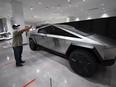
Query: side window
x=52, y=30
x=57, y=31
x=43, y=30
x=49, y=30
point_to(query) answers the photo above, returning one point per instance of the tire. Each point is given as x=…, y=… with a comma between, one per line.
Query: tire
x=83, y=62
x=32, y=45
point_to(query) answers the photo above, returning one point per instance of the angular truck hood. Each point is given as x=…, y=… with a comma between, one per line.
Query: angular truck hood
x=108, y=42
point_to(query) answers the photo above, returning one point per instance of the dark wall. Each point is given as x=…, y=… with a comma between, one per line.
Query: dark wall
x=1, y=26
x=102, y=26
x=112, y=27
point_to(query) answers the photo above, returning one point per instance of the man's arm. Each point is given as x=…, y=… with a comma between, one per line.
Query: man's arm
x=25, y=29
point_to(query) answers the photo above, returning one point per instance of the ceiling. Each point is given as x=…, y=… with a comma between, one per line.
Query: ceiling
x=45, y=10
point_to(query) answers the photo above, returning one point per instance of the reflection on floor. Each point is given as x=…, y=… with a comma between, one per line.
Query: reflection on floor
x=43, y=69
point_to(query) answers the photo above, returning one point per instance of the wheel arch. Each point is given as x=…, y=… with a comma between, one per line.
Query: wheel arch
x=32, y=38
x=91, y=50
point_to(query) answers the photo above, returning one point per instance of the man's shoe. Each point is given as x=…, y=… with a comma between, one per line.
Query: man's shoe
x=19, y=65
x=22, y=61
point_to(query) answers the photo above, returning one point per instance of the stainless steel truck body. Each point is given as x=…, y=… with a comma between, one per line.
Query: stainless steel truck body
x=84, y=50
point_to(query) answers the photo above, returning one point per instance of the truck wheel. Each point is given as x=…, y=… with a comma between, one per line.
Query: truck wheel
x=32, y=45
x=83, y=62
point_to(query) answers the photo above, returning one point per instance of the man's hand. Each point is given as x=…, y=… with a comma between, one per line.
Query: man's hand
x=30, y=26
x=26, y=28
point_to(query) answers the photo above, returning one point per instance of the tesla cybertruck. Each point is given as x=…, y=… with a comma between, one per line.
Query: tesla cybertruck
x=85, y=51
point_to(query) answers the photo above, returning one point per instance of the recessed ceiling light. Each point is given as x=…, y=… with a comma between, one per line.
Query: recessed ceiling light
x=65, y=81
x=104, y=15
x=68, y=0
x=89, y=18
x=77, y=19
x=40, y=3
x=103, y=8
x=83, y=0
x=67, y=19
x=31, y=9
x=102, y=4
x=38, y=71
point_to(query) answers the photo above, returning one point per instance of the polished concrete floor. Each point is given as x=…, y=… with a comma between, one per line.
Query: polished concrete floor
x=43, y=69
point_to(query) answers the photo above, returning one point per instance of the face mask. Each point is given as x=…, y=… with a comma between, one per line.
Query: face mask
x=17, y=28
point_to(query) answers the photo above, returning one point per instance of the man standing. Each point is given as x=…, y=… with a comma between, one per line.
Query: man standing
x=17, y=43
